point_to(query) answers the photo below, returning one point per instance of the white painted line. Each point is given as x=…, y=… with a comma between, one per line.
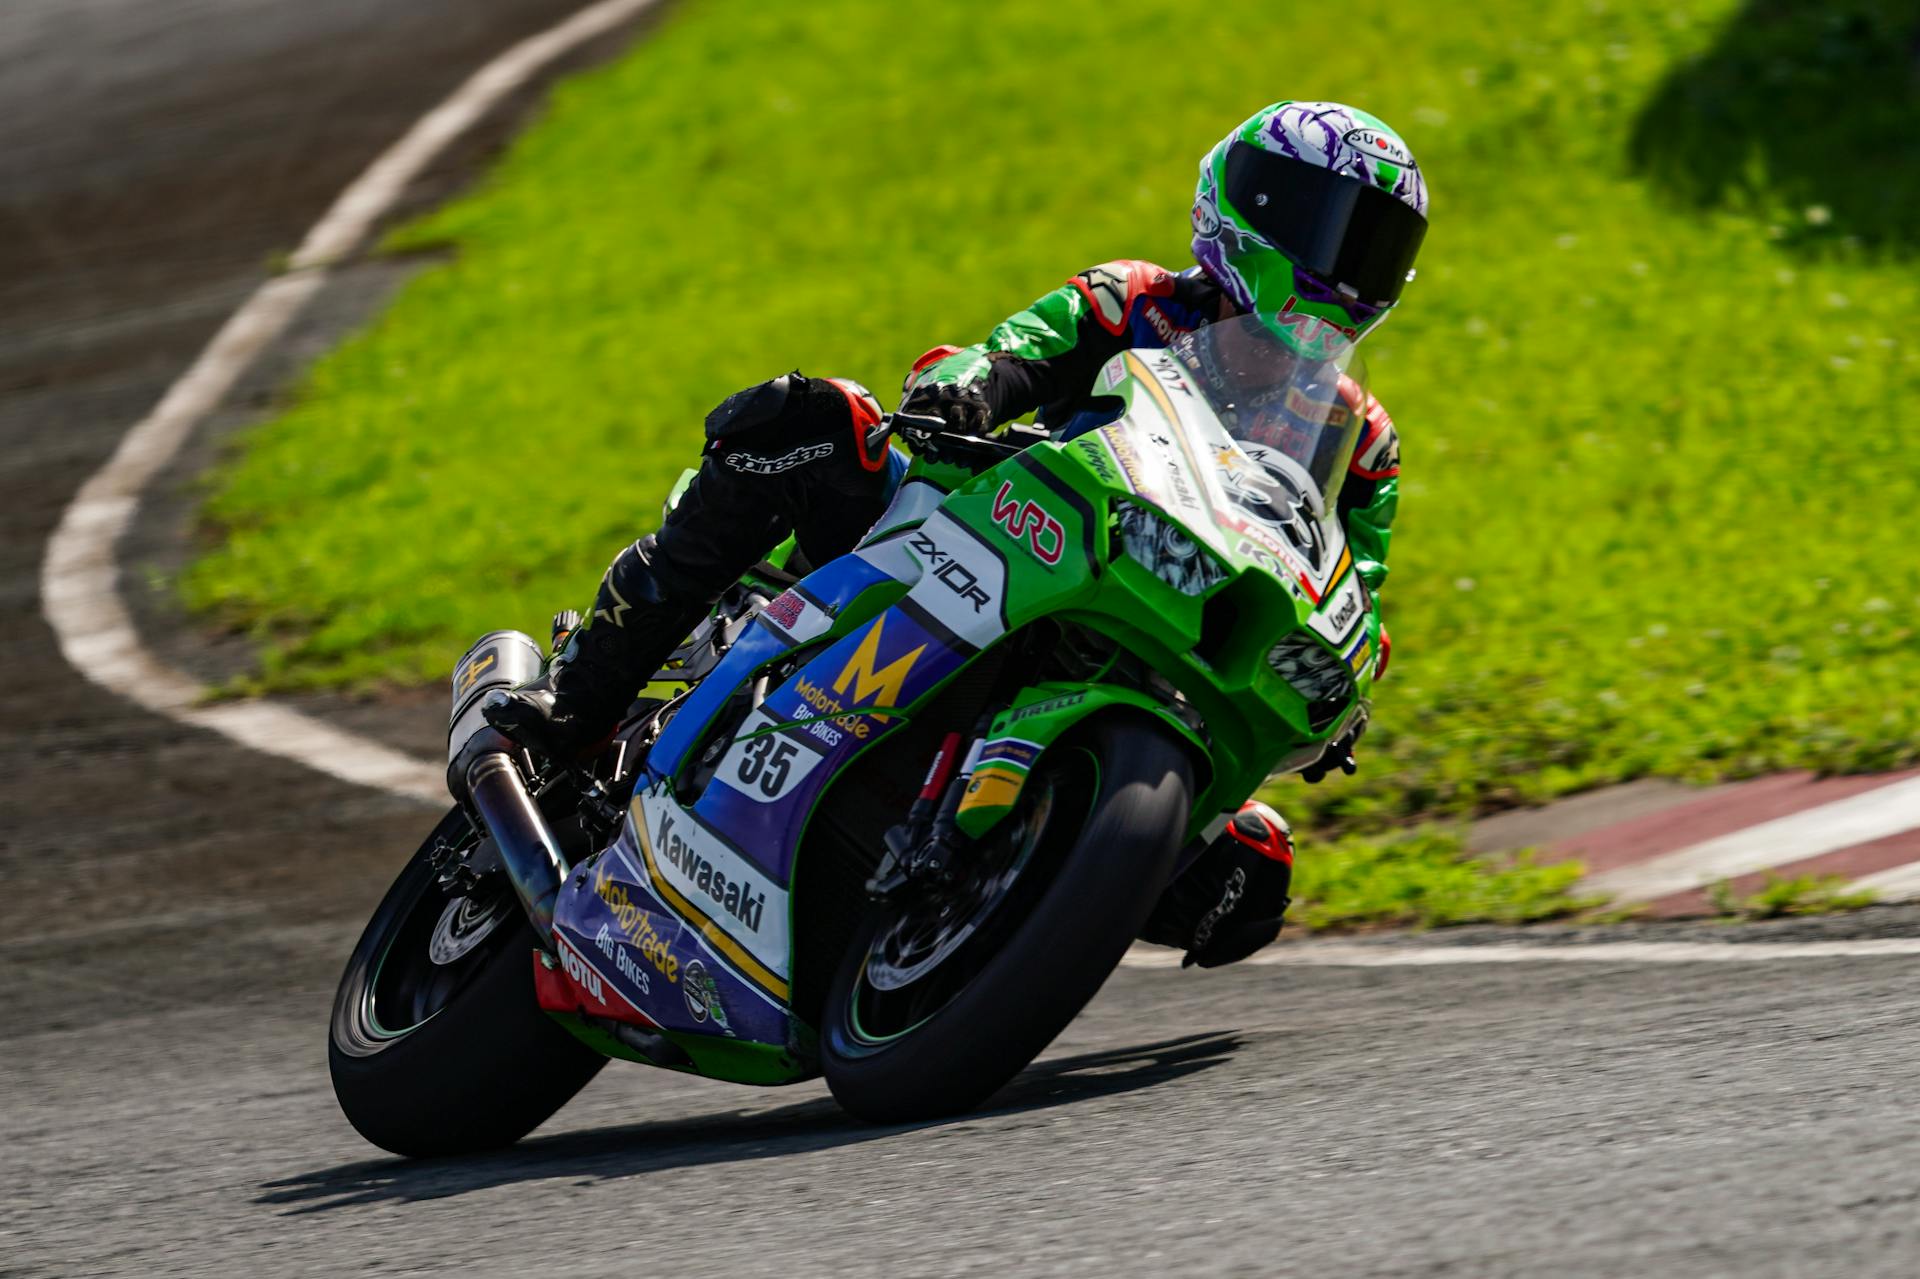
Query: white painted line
x=79, y=578
x=1875, y=814
x=1401, y=955
x=1898, y=884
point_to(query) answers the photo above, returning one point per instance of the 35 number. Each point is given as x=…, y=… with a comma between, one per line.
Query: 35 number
x=769, y=762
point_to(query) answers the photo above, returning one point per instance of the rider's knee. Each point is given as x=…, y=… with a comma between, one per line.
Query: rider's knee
x=790, y=422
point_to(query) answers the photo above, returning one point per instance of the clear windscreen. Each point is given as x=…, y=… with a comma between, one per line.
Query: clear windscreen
x=1293, y=402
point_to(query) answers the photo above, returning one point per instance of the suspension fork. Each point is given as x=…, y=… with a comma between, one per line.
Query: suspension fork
x=925, y=846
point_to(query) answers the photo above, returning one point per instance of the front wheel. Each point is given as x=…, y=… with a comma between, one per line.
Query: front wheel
x=947, y=994
x=437, y=1044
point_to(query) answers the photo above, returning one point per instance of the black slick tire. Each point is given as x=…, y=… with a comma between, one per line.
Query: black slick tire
x=481, y=1071
x=1053, y=961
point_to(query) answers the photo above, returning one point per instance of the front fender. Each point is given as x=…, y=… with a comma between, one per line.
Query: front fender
x=1039, y=716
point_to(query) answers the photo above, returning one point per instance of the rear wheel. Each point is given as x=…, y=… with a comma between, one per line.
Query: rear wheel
x=948, y=993
x=437, y=1045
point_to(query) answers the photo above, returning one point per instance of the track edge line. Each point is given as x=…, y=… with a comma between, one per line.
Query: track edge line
x=80, y=574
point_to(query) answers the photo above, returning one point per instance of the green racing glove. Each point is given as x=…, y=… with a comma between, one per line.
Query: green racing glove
x=953, y=388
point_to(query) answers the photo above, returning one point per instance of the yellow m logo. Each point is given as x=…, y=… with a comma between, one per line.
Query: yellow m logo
x=882, y=686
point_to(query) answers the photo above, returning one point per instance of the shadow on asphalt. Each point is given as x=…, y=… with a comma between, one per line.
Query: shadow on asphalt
x=637, y=1149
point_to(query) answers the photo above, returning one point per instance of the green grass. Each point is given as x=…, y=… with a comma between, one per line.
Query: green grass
x=1658, y=496
x=1782, y=895
x=1424, y=879
x=1769, y=113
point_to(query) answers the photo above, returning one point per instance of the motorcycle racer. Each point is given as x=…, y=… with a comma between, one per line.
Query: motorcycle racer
x=1308, y=215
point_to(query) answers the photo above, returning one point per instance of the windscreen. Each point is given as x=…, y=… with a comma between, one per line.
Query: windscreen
x=1298, y=417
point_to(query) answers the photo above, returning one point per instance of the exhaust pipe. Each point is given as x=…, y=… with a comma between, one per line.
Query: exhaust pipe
x=528, y=851
x=481, y=772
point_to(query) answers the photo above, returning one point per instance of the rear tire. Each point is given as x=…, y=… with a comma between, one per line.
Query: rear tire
x=1068, y=934
x=448, y=1056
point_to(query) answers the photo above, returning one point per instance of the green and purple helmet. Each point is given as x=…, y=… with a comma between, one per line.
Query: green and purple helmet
x=1311, y=212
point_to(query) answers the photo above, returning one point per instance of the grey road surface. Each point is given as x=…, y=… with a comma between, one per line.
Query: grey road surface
x=175, y=912
x=1631, y=1120
x=153, y=160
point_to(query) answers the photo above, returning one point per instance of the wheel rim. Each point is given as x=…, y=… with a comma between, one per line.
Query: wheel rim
x=464, y=924
x=429, y=948
x=920, y=959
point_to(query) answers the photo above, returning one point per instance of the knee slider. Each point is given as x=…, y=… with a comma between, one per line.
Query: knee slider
x=793, y=406
x=758, y=405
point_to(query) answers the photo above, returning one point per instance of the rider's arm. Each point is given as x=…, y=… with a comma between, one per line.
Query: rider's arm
x=1051, y=350
x=1371, y=495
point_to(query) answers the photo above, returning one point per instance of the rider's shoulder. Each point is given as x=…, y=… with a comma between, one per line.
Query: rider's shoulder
x=1115, y=288
x=1377, y=454
x=1363, y=402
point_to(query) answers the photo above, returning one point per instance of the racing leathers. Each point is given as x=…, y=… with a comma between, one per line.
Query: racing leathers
x=792, y=456
x=1044, y=360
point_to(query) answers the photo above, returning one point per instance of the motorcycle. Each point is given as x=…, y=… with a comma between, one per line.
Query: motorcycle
x=897, y=819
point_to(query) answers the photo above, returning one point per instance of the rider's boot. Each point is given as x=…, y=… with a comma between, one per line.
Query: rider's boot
x=1233, y=898
x=634, y=627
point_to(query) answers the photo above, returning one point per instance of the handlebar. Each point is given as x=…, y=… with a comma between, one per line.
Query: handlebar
x=929, y=435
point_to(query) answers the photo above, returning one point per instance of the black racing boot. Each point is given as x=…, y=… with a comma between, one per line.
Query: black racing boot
x=1233, y=898
x=589, y=686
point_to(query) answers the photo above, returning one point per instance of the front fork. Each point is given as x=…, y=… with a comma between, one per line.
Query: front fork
x=927, y=845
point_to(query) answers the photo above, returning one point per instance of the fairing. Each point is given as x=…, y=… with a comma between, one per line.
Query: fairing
x=699, y=882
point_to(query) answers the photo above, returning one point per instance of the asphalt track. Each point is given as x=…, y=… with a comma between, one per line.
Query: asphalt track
x=175, y=910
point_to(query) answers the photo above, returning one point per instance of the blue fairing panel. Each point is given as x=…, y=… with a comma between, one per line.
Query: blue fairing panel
x=813, y=725
x=808, y=610
x=709, y=883
x=649, y=965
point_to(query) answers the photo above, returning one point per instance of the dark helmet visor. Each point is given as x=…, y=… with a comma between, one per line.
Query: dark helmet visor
x=1343, y=230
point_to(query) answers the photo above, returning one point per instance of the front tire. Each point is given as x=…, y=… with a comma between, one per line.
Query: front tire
x=437, y=1044
x=1112, y=807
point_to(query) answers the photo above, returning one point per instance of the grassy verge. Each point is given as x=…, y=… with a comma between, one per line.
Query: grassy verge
x=1782, y=895
x=1656, y=495
x=1425, y=879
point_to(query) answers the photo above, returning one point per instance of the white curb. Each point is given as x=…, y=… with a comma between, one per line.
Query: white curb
x=1313, y=954
x=79, y=579
x=1875, y=814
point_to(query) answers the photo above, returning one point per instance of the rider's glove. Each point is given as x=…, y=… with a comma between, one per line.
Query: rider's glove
x=963, y=408
x=953, y=389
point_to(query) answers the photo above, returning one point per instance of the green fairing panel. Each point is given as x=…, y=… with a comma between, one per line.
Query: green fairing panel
x=680, y=487
x=729, y=1060
x=1039, y=715
x=1050, y=326
x=1370, y=530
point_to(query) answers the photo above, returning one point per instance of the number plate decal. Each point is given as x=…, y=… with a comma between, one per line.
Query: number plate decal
x=768, y=768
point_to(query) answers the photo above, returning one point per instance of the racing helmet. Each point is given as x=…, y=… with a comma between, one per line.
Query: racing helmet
x=1310, y=215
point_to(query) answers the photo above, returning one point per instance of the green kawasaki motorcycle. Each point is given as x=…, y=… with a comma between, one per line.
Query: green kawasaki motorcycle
x=908, y=811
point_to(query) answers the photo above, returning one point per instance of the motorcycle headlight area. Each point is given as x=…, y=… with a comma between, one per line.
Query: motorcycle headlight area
x=1165, y=550
x=1316, y=673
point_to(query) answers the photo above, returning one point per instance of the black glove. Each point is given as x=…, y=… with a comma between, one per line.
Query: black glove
x=963, y=405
